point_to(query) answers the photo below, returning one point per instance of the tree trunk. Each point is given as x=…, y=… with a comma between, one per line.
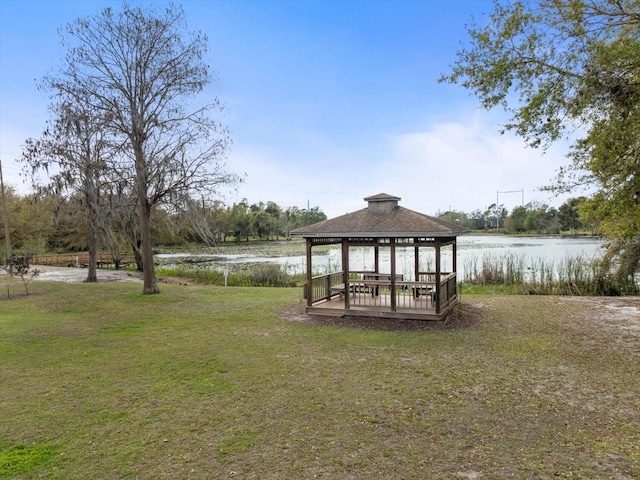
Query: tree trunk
x=150, y=285
x=92, y=274
x=148, y=273
x=137, y=256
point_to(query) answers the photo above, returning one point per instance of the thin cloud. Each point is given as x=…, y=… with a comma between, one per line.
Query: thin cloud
x=455, y=165
x=461, y=165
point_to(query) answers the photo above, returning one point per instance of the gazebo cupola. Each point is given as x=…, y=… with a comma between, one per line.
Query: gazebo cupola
x=382, y=203
x=386, y=287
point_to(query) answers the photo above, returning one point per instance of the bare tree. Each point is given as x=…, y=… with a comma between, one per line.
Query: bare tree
x=119, y=228
x=75, y=144
x=196, y=214
x=142, y=69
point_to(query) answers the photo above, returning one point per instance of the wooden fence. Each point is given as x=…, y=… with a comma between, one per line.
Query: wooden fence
x=80, y=259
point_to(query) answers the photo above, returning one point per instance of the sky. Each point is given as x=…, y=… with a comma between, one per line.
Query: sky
x=327, y=102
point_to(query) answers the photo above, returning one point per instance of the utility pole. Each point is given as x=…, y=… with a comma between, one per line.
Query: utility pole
x=7, y=240
x=498, y=192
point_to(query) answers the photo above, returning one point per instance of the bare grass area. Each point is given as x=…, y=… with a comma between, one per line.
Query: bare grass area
x=100, y=381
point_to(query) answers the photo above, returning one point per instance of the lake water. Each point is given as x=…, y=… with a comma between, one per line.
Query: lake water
x=471, y=248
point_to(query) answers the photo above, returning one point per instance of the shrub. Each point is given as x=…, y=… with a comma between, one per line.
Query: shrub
x=19, y=265
x=270, y=275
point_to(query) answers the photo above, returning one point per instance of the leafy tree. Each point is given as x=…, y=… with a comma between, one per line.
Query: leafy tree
x=569, y=216
x=267, y=220
x=239, y=221
x=141, y=69
x=452, y=216
x=291, y=216
x=531, y=223
x=219, y=219
x=563, y=67
x=476, y=220
x=311, y=215
x=518, y=216
x=276, y=222
x=551, y=222
x=70, y=226
x=538, y=217
x=495, y=215
x=30, y=221
x=260, y=224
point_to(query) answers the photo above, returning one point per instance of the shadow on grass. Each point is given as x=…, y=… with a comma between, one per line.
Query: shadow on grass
x=19, y=295
x=463, y=316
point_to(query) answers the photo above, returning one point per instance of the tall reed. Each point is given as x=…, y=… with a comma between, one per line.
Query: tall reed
x=493, y=270
x=261, y=275
x=573, y=275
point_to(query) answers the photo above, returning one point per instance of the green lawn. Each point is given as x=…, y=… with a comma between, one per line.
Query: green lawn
x=99, y=381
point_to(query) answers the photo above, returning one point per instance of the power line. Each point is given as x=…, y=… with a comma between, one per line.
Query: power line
x=498, y=192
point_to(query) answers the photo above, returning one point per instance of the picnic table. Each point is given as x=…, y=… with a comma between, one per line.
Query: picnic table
x=360, y=286
x=373, y=286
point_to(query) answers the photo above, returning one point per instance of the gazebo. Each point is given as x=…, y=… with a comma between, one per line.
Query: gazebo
x=407, y=269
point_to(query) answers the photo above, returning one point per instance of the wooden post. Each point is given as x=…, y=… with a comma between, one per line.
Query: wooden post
x=309, y=274
x=455, y=266
x=438, y=276
x=455, y=258
x=392, y=254
x=345, y=273
x=416, y=262
x=376, y=261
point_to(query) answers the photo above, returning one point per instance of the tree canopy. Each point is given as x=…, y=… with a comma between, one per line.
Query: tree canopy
x=568, y=69
x=77, y=143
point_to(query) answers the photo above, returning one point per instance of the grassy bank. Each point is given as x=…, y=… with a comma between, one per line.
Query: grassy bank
x=99, y=381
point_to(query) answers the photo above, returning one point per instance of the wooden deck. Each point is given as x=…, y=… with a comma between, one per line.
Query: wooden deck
x=377, y=306
x=328, y=295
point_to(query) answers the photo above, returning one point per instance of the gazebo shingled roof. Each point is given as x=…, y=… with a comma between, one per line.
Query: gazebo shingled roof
x=383, y=217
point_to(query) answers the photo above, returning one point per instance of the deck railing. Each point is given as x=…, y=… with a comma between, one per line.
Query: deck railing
x=409, y=295
x=448, y=290
x=321, y=286
x=368, y=295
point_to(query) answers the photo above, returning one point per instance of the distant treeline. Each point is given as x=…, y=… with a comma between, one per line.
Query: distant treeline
x=47, y=223
x=534, y=217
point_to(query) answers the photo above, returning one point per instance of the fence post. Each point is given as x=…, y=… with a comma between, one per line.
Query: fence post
x=328, y=291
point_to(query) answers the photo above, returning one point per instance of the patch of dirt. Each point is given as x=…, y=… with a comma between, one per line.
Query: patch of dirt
x=618, y=315
x=77, y=275
x=466, y=315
